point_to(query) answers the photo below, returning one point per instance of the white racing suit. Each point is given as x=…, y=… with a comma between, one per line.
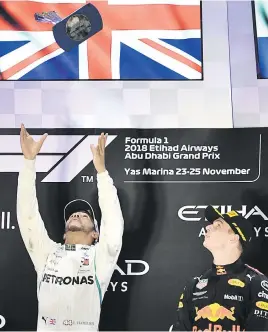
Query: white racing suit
x=71, y=279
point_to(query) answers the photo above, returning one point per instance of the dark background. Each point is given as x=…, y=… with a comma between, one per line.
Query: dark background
x=153, y=231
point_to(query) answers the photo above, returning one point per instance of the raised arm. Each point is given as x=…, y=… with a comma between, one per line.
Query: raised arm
x=31, y=225
x=112, y=222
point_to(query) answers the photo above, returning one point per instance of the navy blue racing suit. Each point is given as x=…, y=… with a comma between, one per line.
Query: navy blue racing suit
x=225, y=298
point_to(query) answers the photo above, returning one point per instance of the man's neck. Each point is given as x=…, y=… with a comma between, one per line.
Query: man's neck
x=77, y=238
x=224, y=257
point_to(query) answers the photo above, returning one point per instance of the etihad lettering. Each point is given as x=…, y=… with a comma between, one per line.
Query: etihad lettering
x=217, y=328
x=50, y=278
x=195, y=212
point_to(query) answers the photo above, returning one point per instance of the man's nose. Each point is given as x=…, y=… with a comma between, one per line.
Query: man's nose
x=75, y=215
x=208, y=227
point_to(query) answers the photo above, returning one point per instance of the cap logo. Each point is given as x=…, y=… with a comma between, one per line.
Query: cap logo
x=232, y=214
x=239, y=231
x=220, y=270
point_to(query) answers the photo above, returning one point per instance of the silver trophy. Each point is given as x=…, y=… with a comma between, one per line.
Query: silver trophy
x=78, y=27
x=47, y=17
x=71, y=31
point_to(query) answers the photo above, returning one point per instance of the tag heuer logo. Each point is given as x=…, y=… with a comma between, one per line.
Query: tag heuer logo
x=202, y=283
x=62, y=156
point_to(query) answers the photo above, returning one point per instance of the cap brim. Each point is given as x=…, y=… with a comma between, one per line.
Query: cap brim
x=212, y=214
x=76, y=206
x=244, y=230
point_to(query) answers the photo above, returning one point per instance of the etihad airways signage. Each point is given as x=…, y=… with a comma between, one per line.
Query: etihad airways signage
x=196, y=212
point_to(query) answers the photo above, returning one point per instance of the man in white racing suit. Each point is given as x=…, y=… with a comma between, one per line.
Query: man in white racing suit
x=71, y=278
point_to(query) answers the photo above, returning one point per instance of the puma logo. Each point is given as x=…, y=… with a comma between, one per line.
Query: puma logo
x=250, y=277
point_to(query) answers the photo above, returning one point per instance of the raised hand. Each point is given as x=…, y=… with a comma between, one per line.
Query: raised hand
x=99, y=153
x=30, y=148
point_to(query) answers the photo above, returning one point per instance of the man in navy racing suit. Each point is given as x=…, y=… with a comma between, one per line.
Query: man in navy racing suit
x=231, y=296
x=71, y=278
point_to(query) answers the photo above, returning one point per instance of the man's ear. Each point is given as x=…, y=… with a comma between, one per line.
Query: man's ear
x=95, y=235
x=64, y=236
x=235, y=238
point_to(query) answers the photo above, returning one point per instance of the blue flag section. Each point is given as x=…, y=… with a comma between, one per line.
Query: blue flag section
x=47, y=41
x=260, y=16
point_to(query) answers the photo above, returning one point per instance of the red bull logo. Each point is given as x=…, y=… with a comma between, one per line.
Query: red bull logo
x=220, y=270
x=214, y=312
x=218, y=328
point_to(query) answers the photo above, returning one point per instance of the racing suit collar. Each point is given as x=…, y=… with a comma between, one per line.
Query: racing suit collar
x=74, y=247
x=227, y=269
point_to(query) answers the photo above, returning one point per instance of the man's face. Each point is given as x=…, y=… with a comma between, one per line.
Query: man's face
x=79, y=222
x=218, y=235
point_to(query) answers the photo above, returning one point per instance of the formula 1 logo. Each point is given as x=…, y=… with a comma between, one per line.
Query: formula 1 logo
x=62, y=156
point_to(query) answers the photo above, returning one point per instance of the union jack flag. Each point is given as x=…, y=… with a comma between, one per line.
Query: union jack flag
x=52, y=321
x=141, y=39
x=86, y=261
